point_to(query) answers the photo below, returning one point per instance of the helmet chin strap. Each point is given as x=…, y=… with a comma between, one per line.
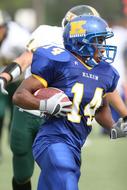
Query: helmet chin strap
x=91, y=62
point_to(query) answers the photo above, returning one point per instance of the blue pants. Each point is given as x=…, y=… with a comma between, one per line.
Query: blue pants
x=58, y=168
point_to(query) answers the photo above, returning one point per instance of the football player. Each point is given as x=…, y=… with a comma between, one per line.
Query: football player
x=23, y=122
x=83, y=72
x=54, y=34
x=26, y=125
x=11, y=46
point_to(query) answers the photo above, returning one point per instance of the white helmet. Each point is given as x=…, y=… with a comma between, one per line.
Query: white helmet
x=78, y=11
x=4, y=17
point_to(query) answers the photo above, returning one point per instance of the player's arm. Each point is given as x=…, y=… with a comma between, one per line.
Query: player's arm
x=103, y=115
x=115, y=100
x=24, y=98
x=14, y=70
x=104, y=118
x=19, y=65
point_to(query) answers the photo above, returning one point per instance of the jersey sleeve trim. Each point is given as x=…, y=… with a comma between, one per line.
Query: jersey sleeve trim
x=104, y=95
x=43, y=81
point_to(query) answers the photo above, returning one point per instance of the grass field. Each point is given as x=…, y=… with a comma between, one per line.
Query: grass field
x=104, y=164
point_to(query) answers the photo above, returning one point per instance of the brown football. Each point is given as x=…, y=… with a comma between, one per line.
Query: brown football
x=45, y=93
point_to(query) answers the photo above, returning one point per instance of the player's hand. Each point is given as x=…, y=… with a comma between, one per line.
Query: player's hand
x=3, y=83
x=124, y=125
x=119, y=129
x=54, y=106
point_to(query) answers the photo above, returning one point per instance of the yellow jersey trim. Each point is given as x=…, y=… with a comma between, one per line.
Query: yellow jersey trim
x=88, y=67
x=104, y=95
x=42, y=80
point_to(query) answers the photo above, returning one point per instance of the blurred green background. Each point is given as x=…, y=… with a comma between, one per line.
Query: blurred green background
x=52, y=11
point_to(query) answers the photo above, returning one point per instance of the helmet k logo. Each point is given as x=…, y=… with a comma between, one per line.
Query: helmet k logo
x=77, y=28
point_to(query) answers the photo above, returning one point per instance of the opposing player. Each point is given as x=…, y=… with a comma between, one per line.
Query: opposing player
x=11, y=46
x=26, y=125
x=84, y=74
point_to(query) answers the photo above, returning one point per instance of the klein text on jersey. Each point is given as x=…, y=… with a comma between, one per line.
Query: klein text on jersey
x=89, y=75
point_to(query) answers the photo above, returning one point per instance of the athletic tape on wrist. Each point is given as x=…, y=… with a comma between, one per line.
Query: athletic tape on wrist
x=14, y=70
x=4, y=79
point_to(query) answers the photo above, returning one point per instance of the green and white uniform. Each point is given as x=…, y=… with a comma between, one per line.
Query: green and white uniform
x=11, y=46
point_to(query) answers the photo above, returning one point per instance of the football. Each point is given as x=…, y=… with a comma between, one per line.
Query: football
x=45, y=93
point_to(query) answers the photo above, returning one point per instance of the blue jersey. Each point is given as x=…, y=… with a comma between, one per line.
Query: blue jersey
x=84, y=86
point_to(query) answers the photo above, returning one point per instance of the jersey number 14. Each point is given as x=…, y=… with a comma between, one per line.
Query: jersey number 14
x=89, y=109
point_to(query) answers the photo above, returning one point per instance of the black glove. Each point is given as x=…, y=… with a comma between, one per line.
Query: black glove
x=3, y=84
x=119, y=129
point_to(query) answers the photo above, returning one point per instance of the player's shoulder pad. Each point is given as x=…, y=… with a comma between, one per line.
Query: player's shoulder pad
x=54, y=53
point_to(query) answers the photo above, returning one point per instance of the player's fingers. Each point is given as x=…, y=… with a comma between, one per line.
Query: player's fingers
x=58, y=95
x=64, y=104
x=125, y=129
x=113, y=134
x=62, y=114
x=67, y=110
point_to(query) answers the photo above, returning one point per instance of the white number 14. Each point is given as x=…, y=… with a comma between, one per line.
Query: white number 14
x=89, y=109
